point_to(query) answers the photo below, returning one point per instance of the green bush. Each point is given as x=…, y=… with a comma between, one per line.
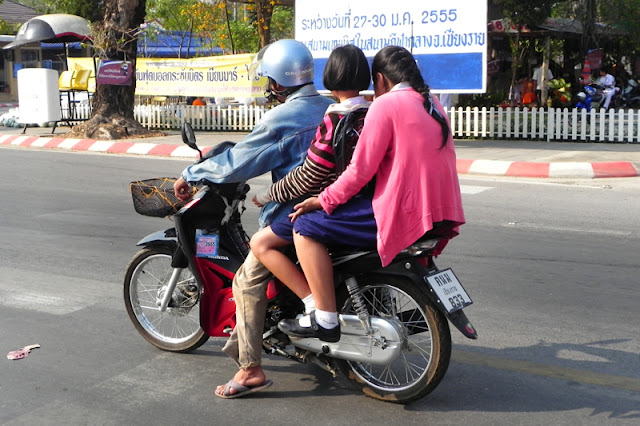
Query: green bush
x=490, y=99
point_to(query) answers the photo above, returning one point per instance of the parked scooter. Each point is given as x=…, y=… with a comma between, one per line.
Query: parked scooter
x=589, y=97
x=631, y=94
x=592, y=96
x=395, y=343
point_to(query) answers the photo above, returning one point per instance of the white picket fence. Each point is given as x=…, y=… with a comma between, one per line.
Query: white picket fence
x=232, y=118
x=552, y=124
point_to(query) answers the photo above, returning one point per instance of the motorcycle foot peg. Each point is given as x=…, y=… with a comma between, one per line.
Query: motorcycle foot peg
x=326, y=350
x=227, y=330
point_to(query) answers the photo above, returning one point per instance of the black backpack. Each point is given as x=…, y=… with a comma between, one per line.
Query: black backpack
x=345, y=137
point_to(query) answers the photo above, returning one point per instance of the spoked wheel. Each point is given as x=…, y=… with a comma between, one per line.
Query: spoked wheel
x=427, y=341
x=145, y=283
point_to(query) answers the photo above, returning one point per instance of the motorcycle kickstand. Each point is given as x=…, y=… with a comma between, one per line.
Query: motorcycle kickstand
x=318, y=359
x=274, y=350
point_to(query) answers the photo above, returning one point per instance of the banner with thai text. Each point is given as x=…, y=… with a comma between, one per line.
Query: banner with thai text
x=448, y=39
x=211, y=76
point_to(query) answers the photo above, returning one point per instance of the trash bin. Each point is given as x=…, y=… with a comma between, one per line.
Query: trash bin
x=38, y=96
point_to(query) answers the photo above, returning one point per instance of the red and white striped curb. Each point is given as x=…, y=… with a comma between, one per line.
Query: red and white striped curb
x=547, y=170
x=92, y=145
x=477, y=167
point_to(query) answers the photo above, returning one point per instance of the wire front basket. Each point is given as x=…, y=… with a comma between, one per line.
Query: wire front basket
x=155, y=197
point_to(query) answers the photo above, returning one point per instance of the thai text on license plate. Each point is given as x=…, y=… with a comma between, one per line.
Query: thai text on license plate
x=449, y=290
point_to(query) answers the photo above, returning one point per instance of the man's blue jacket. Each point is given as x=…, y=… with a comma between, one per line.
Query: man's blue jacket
x=278, y=143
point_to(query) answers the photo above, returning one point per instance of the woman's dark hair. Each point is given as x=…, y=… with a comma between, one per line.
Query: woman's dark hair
x=398, y=64
x=347, y=69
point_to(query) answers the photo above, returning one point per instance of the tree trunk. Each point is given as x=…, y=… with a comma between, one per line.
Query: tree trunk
x=264, y=12
x=112, y=116
x=515, y=63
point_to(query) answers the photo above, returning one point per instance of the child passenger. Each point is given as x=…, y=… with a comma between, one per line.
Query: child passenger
x=345, y=75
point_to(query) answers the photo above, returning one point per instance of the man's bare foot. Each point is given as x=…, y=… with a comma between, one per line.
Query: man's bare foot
x=252, y=376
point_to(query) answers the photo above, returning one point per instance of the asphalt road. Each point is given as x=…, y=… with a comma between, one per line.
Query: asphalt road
x=552, y=268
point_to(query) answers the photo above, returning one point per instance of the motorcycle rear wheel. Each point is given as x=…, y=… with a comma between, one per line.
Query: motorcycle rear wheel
x=427, y=350
x=178, y=328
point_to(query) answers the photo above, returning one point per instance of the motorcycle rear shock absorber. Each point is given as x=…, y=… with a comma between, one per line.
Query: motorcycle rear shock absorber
x=359, y=304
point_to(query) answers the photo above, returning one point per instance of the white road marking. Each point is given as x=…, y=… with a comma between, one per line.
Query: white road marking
x=529, y=225
x=52, y=294
x=473, y=189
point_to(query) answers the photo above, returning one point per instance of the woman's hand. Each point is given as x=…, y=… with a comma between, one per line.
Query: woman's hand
x=308, y=205
x=182, y=189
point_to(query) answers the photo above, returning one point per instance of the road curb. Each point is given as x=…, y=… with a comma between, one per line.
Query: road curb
x=93, y=145
x=579, y=170
x=584, y=170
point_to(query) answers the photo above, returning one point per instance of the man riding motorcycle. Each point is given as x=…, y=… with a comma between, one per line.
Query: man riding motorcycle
x=277, y=144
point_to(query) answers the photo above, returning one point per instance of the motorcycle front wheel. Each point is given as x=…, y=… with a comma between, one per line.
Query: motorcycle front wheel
x=427, y=341
x=145, y=282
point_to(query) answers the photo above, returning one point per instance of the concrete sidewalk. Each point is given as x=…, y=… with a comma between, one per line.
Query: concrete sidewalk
x=482, y=157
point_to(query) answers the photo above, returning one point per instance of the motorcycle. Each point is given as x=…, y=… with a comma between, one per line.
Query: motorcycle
x=592, y=96
x=395, y=343
x=631, y=94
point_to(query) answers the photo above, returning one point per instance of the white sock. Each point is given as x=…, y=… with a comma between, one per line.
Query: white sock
x=305, y=321
x=309, y=304
x=326, y=319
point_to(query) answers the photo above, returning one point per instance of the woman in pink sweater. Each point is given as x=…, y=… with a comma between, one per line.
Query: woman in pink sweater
x=406, y=144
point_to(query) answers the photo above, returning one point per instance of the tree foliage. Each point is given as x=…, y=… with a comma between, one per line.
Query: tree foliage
x=530, y=12
x=7, y=28
x=91, y=10
x=235, y=25
x=625, y=15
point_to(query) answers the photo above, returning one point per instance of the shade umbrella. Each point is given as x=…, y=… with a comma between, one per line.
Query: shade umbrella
x=53, y=28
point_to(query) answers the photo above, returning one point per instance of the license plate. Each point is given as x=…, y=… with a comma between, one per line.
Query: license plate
x=207, y=244
x=449, y=290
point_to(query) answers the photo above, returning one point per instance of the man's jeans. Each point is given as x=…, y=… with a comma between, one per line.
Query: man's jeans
x=250, y=294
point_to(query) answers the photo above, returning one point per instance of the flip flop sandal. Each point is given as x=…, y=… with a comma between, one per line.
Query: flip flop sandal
x=21, y=353
x=241, y=390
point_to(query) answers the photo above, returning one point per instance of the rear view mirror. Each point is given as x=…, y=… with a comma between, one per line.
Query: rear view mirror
x=189, y=137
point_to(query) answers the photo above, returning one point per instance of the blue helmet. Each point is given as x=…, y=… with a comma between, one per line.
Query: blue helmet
x=287, y=61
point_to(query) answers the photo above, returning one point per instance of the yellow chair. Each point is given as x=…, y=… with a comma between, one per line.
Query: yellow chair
x=80, y=83
x=65, y=80
x=64, y=85
x=80, y=80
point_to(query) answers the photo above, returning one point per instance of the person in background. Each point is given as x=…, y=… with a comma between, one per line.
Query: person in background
x=199, y=101
x=528, y=92
x=277, y=144
x=413, y=193
x=608, y=82
x=537, y=80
